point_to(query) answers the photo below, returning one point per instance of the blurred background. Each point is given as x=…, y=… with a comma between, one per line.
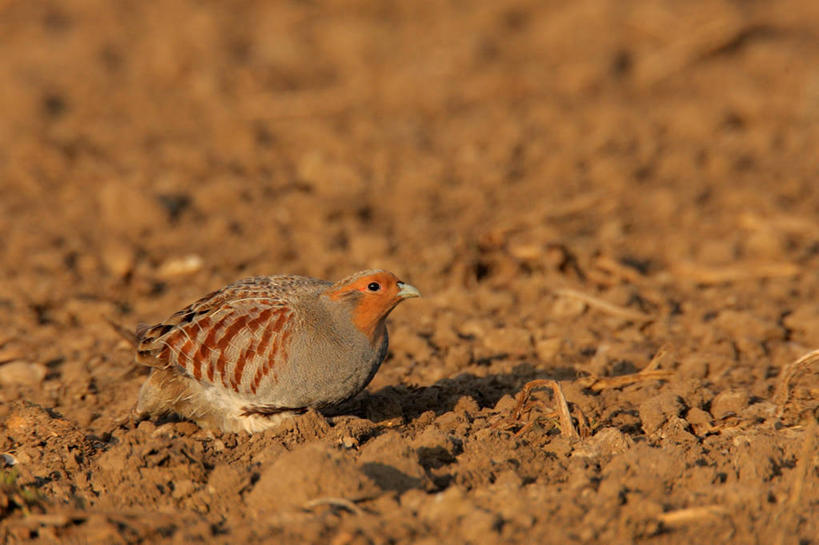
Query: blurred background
x=150, y=151
x=657, y=155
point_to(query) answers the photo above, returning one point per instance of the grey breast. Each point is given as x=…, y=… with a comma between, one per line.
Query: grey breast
x=329, y=359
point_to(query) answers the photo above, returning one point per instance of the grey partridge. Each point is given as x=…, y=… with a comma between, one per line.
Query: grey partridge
x=256, y=351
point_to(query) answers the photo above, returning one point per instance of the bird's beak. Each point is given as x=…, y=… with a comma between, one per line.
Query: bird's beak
x=405, y=291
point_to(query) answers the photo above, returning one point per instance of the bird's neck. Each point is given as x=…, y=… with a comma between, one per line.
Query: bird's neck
x=366, y=315
x=370, y=324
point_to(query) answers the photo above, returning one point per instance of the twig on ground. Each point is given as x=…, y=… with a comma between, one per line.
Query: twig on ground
x=604, y=306
x=681, y=517
x=567, y=428
x=783, y=393
x=582, y=422
x=341, y=503
x=720, y=275
x=598, y=384
x=650, y=372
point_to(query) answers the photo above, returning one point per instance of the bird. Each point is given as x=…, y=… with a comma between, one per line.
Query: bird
x=262, y=349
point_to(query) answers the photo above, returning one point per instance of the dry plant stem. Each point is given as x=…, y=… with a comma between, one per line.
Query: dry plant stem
x=658, y=357
x=531, y=423
x=651, y=372
x=784, y=391
x=605, y=306
x=582, y=422
x=602, y=383
x=567, y=428
x=342, y=503
x=691, y=514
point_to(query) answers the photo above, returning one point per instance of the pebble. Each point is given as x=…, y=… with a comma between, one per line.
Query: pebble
x=22, y=373
x=655, y=411
x=16, y=423
x=700, y=421
x=730, y=402
x=118, y=259
x=180, y=266
x=548, y=349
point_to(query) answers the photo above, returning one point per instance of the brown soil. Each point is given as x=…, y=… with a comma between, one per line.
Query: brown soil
x=580, y=189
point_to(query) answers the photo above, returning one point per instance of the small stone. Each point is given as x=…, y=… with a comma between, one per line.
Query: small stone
x=694, y=366
x=182, y=488
x=676, y=429
x=700, y=421
x=655, y=411
x=186, y=428
x=548, y=349
x=473, y=328
x=567, y=307
x=8, y=460
x=413, y=499
x=118, y=259
x=728, y=403
x=605, y=442
x=21, y=373
x=526, y=252
x=165, y=431
x=468, y=405
x=16, y=424
x=146, y=427
x=612, y=441
x=763, y=410
x=506, y=404
x=181, y=266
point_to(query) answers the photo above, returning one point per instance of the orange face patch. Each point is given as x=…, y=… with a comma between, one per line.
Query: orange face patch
x=376, y=295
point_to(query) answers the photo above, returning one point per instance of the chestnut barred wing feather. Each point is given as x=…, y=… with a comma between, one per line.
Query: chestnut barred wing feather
x=236, y=338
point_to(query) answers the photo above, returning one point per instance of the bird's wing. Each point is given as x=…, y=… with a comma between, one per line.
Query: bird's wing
x=231, y=338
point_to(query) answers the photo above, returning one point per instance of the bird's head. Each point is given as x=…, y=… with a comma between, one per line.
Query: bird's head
x=370, y=296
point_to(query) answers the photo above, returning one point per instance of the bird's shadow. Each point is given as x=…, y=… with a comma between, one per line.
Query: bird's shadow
x=409, y=401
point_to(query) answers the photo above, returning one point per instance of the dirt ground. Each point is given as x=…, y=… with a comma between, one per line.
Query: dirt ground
x=618, y=195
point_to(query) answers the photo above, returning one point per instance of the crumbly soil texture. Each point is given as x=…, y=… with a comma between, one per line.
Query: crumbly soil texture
x=615, y=199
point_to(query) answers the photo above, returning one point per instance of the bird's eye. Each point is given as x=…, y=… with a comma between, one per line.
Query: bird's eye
x=373, y=286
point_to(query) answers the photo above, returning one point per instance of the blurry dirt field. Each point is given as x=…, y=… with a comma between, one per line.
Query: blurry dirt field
x=583, y=191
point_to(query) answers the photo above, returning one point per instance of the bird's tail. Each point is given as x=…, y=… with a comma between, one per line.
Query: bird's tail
x=125, y=333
